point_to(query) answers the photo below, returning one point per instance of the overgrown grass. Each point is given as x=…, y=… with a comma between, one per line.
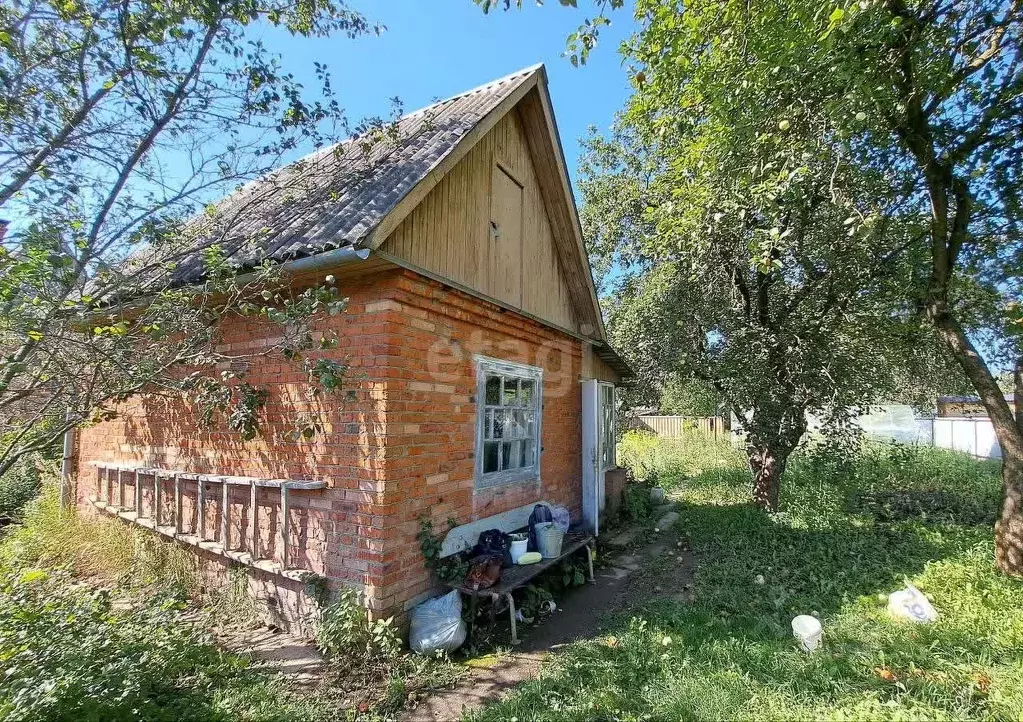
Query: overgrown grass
x=847, y=536
x=90, y=629
x=99, y=549
x=69, y=656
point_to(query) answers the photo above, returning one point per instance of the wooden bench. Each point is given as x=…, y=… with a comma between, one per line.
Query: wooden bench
x=516, y=576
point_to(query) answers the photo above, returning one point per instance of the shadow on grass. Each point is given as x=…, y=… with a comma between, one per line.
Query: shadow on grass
x=730, y=654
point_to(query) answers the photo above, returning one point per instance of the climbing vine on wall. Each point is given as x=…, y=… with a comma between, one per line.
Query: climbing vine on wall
x=449, y=570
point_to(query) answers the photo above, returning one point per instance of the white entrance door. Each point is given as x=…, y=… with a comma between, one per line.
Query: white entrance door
x=593, y=478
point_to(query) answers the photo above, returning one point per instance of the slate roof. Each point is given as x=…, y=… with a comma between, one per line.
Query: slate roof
x=1010, y=397
x=336, y=196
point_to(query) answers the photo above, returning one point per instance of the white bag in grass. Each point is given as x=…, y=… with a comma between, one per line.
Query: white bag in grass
x=437, y=624
x=910, y=603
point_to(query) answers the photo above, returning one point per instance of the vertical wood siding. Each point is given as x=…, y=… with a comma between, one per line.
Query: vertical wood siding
x=449, y=232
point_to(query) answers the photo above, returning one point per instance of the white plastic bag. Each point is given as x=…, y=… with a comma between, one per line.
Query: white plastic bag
x=562, y=517
x=437, y=624
x=911, y=604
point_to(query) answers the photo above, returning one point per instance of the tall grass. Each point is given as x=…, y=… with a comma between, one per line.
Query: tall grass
x=98, y=548
x=851, y=531
x=91, y=630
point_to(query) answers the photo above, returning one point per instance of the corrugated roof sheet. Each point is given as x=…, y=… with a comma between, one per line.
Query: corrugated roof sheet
x=1010, y=397
x=337, y=196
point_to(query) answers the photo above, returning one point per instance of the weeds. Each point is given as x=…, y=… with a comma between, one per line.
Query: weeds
x=345, y=632
x=91, y=629
x=68, y=655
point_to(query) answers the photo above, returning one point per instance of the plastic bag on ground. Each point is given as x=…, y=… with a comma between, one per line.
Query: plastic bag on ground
x=562, y=517
x=911, y=604
x=437, y=624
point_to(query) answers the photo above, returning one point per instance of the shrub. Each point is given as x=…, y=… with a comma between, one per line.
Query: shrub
x=637, y=452
x=638, y=505
x=345, y=632
x=18, y=487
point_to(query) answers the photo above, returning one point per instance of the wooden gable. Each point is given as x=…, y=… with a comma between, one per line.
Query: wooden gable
x=485, y=226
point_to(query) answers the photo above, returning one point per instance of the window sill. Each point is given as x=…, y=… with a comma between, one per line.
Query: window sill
x=499, y=484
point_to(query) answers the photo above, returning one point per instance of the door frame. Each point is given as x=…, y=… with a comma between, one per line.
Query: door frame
x=594, y=491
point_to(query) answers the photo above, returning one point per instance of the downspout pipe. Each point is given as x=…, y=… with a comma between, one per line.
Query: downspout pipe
x=67, y=467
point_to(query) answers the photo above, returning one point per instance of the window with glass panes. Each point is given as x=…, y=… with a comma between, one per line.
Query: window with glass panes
x=608, y=416
x=508, y=422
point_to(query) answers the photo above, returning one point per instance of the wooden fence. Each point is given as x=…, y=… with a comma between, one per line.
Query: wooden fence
x=678, y=426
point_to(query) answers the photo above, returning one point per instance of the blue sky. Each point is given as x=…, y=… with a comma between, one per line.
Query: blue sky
x=436, y=48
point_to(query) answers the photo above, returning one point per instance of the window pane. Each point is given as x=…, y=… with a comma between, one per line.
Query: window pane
x=518, y=425
x=493, y=396
x=511, y=392
x=499, y=424
x=528, y=392
x=527, y=453
x=490, y=457
x=512, y=456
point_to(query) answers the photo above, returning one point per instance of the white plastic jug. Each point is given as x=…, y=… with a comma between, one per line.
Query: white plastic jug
x=808, y=631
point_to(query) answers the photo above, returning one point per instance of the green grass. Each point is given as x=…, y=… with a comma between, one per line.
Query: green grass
x=91, y=629
x=850, y=532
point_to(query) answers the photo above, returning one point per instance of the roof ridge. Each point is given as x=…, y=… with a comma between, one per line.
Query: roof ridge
x=522, y=73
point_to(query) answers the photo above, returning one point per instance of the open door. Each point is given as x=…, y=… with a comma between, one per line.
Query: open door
x=592, y=478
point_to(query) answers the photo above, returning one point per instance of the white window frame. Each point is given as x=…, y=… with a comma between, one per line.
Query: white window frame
x=608, y=434
x=484, y=366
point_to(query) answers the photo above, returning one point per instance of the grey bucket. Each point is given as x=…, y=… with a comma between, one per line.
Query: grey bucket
x=548, y=539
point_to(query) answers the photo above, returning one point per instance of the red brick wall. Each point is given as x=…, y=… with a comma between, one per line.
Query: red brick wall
x=335, y=527
x=432, y=418
x=402, y=450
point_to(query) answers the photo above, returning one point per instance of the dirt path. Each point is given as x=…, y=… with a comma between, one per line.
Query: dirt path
x=271, y=649
x=640, y=567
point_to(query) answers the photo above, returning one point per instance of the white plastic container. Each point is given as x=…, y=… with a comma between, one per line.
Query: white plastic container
x=518, y=548
x=808, y=631
x=548, y=539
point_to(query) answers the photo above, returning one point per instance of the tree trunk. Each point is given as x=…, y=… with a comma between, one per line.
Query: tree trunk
x=1008, y=427
x=1009, y=528
x=767, y=449
x=767, y=466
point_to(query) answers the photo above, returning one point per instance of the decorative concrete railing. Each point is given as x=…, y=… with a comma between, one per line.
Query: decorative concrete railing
x=197, y=535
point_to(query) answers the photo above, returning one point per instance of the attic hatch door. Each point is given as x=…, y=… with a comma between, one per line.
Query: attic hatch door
x=502, y=259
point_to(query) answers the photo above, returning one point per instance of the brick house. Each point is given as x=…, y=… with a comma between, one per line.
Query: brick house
x=482, y=378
